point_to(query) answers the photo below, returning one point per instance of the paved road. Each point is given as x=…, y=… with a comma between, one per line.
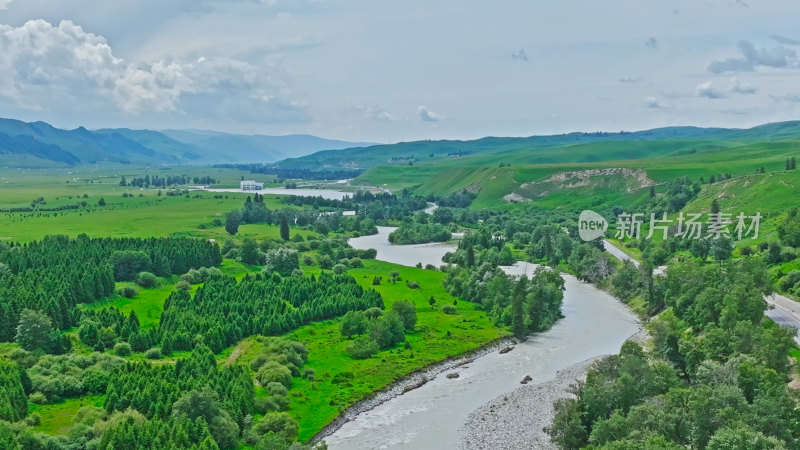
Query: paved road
x=617, y=253
x=622, y=256
x=783, y=311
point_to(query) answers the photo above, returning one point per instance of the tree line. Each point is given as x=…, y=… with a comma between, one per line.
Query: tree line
x=171, y=180
x=378, y=207
x=222, y=311
x=716, y=377
x=303, y=174
x=55, y=274
x=194, y=403
x=255, y=211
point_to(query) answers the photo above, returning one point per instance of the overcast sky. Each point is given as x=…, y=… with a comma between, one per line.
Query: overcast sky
x=385, y=71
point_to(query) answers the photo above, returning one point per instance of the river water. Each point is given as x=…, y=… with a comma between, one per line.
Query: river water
x=429, y=417
x=328, y=194
x=407, y=255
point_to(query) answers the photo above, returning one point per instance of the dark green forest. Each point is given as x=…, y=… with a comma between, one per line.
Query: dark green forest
x=57, y=273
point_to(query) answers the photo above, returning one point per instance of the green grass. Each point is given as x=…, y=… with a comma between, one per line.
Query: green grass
x=674, y=143
x=312, y=408
x=147, y=304
x=469, y=329
x=146, y=216
x=57, y=417
x=7, y=347
x=771, y=194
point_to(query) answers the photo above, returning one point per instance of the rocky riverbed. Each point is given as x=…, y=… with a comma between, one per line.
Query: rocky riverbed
x=517, y=420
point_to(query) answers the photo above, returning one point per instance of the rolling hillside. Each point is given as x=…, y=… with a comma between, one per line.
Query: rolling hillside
x=611, y=180
x=565, y=148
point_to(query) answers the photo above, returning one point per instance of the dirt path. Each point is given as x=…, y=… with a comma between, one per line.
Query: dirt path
x=245, y=344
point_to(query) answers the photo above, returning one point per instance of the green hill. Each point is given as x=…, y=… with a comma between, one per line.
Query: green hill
x=499, y=183
x=565, y=148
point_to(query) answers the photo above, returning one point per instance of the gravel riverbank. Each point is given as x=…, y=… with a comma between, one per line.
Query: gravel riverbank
x=516, y=420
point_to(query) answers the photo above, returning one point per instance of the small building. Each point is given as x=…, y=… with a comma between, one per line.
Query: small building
x=251, y=185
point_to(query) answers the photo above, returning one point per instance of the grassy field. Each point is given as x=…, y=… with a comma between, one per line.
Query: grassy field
x=57, y=417
x=143, y=213
x=437, y=336
x=149, y=303
x=771, y=194
x=138, y=216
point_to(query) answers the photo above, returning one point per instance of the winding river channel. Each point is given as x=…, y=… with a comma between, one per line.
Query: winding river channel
x=430, y=417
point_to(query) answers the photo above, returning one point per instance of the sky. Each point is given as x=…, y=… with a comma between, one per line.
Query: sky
x=389, y=71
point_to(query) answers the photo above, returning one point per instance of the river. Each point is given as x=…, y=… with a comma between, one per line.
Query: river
x=430, y=417
x=329, y=194
x=407, y=255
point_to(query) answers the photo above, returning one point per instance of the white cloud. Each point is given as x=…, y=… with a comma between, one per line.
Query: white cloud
x=754, y=57
x=793, y=97
x=784, y=40
x=41, y=61
x=4, y=4
x=521, y=55
x=373, y=112
x=742, y=88
x=653, y=103
x=708, y=91
x=426, y=115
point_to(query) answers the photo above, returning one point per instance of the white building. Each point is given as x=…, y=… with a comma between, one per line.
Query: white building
x=250, y=185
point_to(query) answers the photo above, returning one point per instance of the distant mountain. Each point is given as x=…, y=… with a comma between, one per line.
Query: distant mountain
x=554, y=149
x=38, y=144
x=241, y=148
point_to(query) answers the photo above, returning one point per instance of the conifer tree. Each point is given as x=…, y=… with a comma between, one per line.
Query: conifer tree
x=284, y=227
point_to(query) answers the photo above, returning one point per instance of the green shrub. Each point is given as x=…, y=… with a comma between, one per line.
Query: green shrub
x=153, y=353
x=37, y=398
x=122, y=349
x=128, y=291
x=353, y=323
x=362, y=348
x=449, y=309
x=146, y=280
x=356, y=262
x=33, y=420
x=274, y=371
x=407, y=312
x=786, y=283
x=342, y=378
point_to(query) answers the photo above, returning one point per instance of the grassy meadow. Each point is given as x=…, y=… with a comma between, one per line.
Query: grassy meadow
x=143, y=213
